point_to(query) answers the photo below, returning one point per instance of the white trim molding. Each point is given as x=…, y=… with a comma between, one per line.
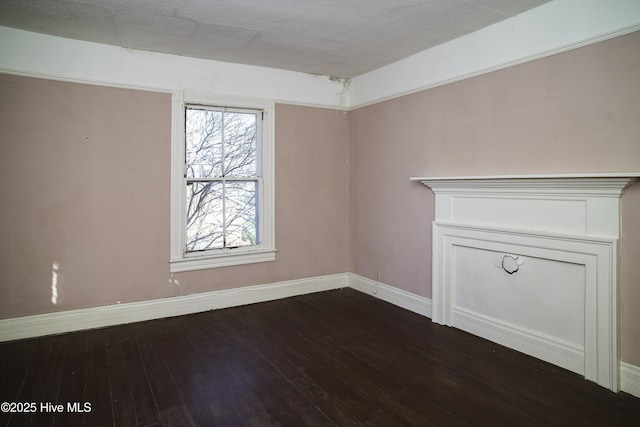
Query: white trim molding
x=393, y=295
x=117, y=314
x=42, y=56
x=630, y=379
x=542, y=346
x=549, y=29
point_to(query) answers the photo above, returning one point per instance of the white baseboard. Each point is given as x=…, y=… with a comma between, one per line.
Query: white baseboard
x=630, y=379
x=550, y=349
x=98, y=317
x=395, y=296
x=118, y=314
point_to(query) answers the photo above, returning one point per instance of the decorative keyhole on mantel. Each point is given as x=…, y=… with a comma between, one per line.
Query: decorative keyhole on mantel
x=511, y=263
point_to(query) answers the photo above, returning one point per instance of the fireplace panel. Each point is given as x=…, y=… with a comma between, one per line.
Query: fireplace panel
x=545, y=294
x=531, y=262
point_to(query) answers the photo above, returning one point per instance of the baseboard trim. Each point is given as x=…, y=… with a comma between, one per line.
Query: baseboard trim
x=550, y=349
x=395, y=296
x=630, y=379
x=99, y=317
x=117, y=314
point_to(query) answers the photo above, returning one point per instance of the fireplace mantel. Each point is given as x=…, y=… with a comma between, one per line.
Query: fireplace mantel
x=584, y=204
x=557, y=300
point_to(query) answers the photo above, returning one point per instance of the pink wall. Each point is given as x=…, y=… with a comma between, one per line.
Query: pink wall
x=573, y=112
x=84, y=184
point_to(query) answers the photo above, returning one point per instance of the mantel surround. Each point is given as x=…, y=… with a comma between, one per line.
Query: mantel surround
x=597, y=194
x=559, y=233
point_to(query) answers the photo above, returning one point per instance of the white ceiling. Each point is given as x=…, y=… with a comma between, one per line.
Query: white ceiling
x=340, y=38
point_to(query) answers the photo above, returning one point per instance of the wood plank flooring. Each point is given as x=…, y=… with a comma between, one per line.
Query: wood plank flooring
x=337, y=358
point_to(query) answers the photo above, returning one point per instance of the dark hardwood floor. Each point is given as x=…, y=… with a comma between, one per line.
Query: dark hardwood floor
x=338, y=358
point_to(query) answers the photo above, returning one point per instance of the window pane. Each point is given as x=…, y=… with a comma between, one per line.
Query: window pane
x=241, y=214
x=203, y=143
x=204, y=216
x=240, y=145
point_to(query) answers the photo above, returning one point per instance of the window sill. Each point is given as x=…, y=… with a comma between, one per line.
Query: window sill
x=223, y=260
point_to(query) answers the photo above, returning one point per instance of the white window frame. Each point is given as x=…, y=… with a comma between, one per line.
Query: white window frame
x=265, y=251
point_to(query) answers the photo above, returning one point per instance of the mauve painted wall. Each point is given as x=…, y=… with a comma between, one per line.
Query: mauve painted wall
x=577, y=111
x=84, y=184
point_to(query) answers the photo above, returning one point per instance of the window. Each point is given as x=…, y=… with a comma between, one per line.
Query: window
x=222, y=177
x=222, y=183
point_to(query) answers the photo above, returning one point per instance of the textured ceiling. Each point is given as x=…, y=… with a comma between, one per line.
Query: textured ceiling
x=340, y=38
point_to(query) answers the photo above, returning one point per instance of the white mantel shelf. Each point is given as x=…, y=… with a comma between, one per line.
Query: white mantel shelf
x=603, y=184
x=535, y=176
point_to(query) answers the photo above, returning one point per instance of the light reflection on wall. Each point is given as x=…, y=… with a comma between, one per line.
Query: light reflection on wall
x=54, y=283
